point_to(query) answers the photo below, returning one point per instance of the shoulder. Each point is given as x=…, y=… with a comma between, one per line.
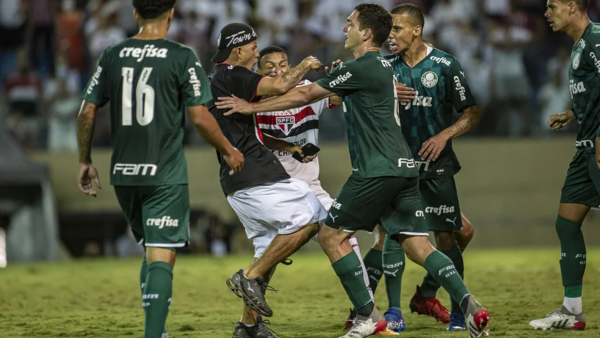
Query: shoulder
x=442, y=58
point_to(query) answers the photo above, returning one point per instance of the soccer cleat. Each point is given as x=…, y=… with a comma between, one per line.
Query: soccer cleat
x=260, y=330
x=350, y=321
x=478, y=319
x=430, y=307
x=457, y=322
x=559, y=319
x=365, y=327
x=395, y=321
x=252, y=291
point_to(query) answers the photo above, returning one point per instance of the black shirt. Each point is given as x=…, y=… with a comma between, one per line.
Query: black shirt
x=242, y=131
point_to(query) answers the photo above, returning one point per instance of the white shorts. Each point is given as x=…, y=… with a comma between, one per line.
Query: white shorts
x=275, y=209
x=322, y=195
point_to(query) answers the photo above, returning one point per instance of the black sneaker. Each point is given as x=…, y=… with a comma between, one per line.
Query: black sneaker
x=260, y=330
x=252, y=291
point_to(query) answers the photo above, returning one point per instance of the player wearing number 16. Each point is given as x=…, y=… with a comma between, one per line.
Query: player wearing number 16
x=149, y=81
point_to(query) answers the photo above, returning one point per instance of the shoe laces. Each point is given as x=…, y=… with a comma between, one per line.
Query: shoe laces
x=265, y=286
x=262, y=323
x=436, y=303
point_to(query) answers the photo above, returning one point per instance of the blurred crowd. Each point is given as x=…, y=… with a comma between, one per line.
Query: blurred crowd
x=516, y=66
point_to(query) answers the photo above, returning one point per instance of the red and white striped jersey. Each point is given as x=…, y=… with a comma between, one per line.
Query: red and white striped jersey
x=298, y=126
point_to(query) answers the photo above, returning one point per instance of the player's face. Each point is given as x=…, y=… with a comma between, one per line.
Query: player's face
x=273, y=64
x=354, y=36
x=403, y=33
x=558, y=14
x=249, y=55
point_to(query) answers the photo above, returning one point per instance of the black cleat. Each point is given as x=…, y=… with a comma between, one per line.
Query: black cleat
x=260, y=330
x=252, y=291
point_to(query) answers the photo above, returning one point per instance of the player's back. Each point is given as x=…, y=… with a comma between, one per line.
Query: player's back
x=377, y=147
x=143, y=80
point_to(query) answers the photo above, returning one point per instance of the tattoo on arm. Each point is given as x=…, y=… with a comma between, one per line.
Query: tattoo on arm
x=85, y=131
x=294, y=75
x=468, y=120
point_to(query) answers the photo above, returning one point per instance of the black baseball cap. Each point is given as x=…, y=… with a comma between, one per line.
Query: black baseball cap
x=231, y=36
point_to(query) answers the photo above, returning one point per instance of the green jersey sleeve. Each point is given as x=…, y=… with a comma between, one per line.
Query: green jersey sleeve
x=96, y=90
x=460, y=95
x=591, y=55
x=194, y=84
x=341, y=80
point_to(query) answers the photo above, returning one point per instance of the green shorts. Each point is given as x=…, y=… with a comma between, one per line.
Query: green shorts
x=440, y=200
x=159, y=216
x=393, y=202
x=582, y=185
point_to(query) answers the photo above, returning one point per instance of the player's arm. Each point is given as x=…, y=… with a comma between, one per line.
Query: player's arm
x=295, y=98
x=195, y=98
x=95, y=95
x=283, y=83
x=209, y=129
x=340, y=81
x=559, y=121
x=85, y=131
x=463, y=101
x=277, y=144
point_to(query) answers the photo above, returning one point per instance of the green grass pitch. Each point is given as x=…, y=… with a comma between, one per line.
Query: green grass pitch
x=101, y=298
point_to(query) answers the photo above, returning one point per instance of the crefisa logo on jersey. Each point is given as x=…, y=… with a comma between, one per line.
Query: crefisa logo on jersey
x=196, y=84
x=429, y=79
x=442, y=60
x=286, y=123
x=149, y=51
x=95, y=80
x=460, y=89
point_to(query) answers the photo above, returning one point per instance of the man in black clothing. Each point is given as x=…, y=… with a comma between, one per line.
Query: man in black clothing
x=280, y=214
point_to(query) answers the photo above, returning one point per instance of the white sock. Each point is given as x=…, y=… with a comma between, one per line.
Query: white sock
x=573, y=305
x=356, y=249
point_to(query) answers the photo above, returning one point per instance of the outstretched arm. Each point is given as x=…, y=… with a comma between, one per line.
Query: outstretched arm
x=432, y=148
x=281, y=84
x=295, y=98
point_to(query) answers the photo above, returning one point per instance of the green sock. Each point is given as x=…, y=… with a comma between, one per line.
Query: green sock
x=393, y=268
x=441, y=267
x=373, y=263
x=143, y=274
x=457, y=259
x=156, y=298
x=573, y=256
x=349, y=270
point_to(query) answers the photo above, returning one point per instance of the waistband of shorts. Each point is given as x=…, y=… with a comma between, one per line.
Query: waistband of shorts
x=585, y=144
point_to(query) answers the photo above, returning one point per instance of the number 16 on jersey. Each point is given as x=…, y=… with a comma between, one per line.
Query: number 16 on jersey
x=144, y=97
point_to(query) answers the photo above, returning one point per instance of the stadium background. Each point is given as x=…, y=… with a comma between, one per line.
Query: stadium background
x=513, y=165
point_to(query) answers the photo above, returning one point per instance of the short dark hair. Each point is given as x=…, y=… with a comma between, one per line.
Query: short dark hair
x=152, y=9
x=581, y=4
x=414, y=13
x=377, y=19
x=270, y=50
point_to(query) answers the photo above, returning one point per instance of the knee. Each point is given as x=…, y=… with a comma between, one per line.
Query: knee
x=160, y=255
x=445, y=240
x=468, y=231
x=330, y=238
x=380, y=236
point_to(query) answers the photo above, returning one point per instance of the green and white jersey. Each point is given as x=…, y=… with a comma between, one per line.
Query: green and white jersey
x=149, y=83
x=377, y=147
x=441, y=87
x=584, y=76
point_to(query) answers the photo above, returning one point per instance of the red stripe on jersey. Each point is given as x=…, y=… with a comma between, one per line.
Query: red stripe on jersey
x=270, y=119
x=259, y=134
x=256, y=91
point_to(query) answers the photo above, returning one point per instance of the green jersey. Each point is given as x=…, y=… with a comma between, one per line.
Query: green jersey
x=149, y=83
x=377, y=147
x=584, y=76
x=441, y=87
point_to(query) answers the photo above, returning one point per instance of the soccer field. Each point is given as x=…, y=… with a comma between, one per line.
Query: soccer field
x=101, y=298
